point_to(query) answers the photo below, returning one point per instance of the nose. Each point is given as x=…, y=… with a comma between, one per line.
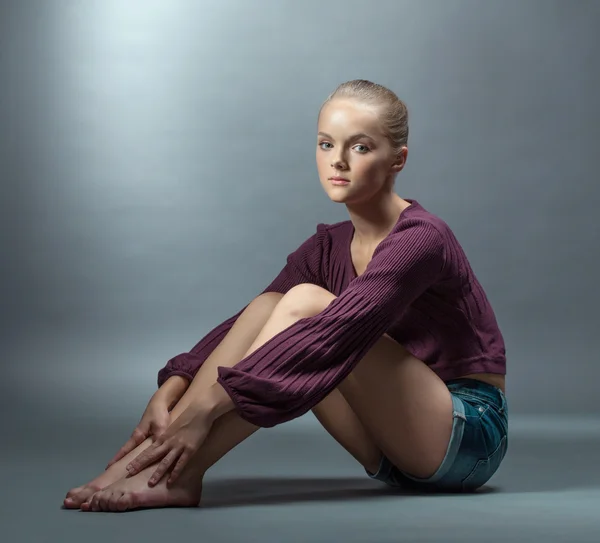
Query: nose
x=338, y=164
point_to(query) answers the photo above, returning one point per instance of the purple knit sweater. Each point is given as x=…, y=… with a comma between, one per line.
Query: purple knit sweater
x=418, y=288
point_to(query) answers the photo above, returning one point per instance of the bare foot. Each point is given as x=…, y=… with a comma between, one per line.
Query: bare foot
x=76, y=496
x=134, y=492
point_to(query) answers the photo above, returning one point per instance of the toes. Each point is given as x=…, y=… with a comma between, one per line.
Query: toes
x=103, y=500
x=94, y=502
x=73, y=492
x=72, y=497
x=111, y=501
x=122, y=502
x=85, y=506
x=100, y=500
x=81, y=496
x=134, y=500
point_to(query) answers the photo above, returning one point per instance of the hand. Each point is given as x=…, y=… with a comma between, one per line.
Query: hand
x=181, y=440
x=154, y=422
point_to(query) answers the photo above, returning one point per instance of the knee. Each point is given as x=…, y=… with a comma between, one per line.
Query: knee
x=305, y=300
x=270, y=296
x=267, y=300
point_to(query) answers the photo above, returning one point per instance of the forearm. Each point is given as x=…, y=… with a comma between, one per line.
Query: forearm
x=216, y=402
x=172, y=390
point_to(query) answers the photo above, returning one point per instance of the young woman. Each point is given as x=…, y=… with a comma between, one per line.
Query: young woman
x=376, y=324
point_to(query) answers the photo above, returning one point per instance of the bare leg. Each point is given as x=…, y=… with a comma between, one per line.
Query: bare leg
x=229, y=352
x=253, y=328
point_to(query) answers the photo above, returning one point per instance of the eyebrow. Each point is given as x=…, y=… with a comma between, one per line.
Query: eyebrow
x=353, y=137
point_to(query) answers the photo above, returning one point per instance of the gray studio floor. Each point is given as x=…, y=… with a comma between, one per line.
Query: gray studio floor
x=293, y=483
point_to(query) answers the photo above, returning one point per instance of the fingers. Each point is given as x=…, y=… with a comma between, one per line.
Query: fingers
x=121, y=453
x=152, y=454
x=136, y=438
x=158, y=431
x=164, y=465
x=183, y=460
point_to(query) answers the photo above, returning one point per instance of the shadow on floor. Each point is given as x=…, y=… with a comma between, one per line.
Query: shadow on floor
x=245, y=491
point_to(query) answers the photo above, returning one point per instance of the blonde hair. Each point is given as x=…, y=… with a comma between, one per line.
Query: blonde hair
x=393, y=111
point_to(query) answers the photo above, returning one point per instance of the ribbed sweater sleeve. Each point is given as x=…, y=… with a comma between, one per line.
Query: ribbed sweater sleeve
x=302, y=266
x=297, y=368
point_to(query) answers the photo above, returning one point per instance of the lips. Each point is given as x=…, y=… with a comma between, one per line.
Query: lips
x=336, y=178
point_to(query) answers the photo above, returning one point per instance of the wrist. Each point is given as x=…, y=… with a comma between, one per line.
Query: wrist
x=216, y=402
x=172, y=390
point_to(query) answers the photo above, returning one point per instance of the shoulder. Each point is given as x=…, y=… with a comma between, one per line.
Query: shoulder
x=328, y=234
x=421, y=224
x=321, y=238
x=333, y=227
x=333, y=231
x=417, y=241
x=423, y=231
x=419, y=217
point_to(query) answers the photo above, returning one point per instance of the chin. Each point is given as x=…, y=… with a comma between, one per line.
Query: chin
x=337, y=196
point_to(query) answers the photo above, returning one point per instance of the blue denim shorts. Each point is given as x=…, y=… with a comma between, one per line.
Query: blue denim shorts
x=478, y=442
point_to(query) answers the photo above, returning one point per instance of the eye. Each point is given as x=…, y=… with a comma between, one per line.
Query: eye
x=366, y=149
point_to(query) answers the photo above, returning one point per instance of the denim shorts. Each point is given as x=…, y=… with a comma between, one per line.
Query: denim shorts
x=478, y=442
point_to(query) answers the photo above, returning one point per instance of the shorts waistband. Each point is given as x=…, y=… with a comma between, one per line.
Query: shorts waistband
x=481, y=389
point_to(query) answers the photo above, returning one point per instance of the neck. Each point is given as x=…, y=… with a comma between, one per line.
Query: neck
x=374, y=220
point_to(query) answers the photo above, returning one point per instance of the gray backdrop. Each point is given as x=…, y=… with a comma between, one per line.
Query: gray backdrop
x=157, y=166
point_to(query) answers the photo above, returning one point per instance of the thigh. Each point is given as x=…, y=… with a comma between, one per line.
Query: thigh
x=478, y=444
x=337, y=417
x=238, y=340
x=403, y=404
x=400, y=400
x=233, y=347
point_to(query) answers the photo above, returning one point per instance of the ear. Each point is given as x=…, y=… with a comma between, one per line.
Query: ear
x=400, y=161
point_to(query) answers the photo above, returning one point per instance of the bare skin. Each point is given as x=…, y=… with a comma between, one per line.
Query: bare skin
x=387, y=374
x=387, y=385
x=134, y=493
x=361, y=258
x=230, y=351
x=333, y=412
x=371, y=165
x=76, y=496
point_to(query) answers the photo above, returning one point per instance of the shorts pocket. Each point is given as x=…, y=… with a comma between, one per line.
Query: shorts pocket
x=481, y=405
x=485, y=468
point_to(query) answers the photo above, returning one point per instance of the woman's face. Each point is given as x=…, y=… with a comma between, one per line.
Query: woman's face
x=367, y=161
